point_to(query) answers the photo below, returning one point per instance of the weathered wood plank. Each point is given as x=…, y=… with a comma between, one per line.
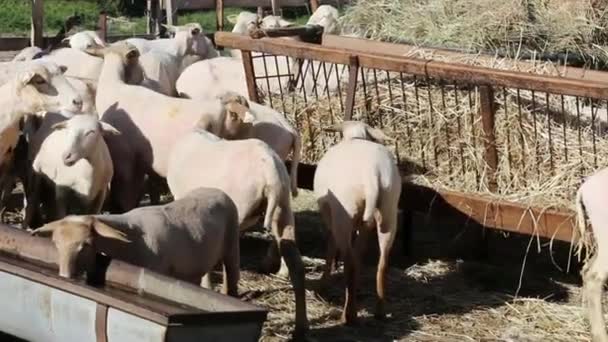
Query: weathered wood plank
x=37, y=23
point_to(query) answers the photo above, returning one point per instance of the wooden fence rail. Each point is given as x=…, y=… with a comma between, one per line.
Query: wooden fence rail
x=508, y=216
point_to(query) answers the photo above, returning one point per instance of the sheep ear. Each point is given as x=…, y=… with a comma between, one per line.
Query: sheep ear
x=240, y=110
x=95, y=51
x=333, y=128
x=59, y=125
x=109, y=232
x=285, y=23
x=47, y=228
x=377, y=135
x=232, y=18
x=27, y=77
x=106, y=129
x=170, y=28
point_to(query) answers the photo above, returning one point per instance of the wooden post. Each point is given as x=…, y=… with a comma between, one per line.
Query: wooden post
x=37, y=23
x=275, y=7
x=250, y=76
x=103, y=25
x=352, y=87
x=149, y=16
x=314, y=4
x=487, y=108
x=171, y=15
x=219, y=14
x=157, y=13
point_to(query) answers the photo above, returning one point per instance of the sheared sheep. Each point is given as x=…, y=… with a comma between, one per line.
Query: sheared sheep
x=251, y=174
x=70, y=158
x=363, y=198
x=152, y=122
x=84, y=40
x=184, y=239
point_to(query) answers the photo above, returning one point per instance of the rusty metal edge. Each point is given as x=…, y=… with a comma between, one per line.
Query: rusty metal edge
x=429, y=68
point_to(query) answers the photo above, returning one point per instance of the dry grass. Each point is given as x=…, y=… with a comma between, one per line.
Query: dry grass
x=429, y=301
x=543, y=151
x=513, y=27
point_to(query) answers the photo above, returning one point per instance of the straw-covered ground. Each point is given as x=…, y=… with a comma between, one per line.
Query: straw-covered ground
x=511, y=27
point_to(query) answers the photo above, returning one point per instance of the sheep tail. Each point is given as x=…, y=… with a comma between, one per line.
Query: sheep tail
x=584, y=239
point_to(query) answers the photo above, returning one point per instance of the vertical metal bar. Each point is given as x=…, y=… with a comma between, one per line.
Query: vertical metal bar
x=368, y=105
x=564, y=128
x=275, y=7
x=378, y=95
x=578, y=128
x=521, y=133
x=548, y=109
x=351, y=89
x=432, y=121
x=419, y=113
x=593, y=133
x=404, y=108
x=149, y=24
x=276, y=65
x=37, y=23
x=338, y=84
x=487, y=107
x=508, y=130
x=447, y=128
x=536, y=151
x=219, y=15
x=473, y=138
x=314, y=4
x=393, y=119
x=250, y=76
x=269, y=96
x=459, y=127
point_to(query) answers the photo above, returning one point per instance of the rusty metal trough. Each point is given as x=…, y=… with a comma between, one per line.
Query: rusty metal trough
x=134, y=304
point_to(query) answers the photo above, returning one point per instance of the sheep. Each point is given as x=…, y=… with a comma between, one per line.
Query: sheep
x=180, y=45
x=152, y=122
x=246, y=21
x=84, y=40
x=326, y=16
x=364, y=197
x=272, y=128
x=29, y=53
x=184, y=239
x=590, y=199
x=269, y=126
x=202, y=47
x=39, y=86
x=70, y=156
x=250, y=173
x=161, y=71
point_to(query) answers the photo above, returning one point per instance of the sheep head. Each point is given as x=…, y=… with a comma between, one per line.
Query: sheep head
x=83, y=134
x=43, y=87
x=237, y=117
x=359, y=130
x=73, y=234
x=127, y=51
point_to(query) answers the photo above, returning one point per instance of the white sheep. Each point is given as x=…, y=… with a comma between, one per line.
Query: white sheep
x=29, y=53
x=184, y=239
x=37, y=87
x=161, y=71
x=152, y=122
x=84, y=39
x=357, y=186
x=326, y=16
x=70, y=157
x=591, y=198
x=202, y=47
x=250, y=173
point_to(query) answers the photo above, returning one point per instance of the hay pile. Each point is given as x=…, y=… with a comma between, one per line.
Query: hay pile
x=543, y=152
x=511, y=27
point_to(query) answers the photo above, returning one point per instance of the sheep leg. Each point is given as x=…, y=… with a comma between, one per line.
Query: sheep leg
x=330, y=255
x=232, y=263
x=270, y=260
x=97, y=204
x=594, y=278
x=285, y=234
x=33, y=202
x=342, y=226
x=206, y=281
x=386, y=236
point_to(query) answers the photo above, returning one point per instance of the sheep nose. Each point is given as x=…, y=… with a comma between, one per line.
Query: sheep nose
x=67, y=158
x=77, y=102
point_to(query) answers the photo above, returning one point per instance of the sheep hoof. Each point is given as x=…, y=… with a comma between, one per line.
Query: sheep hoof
x=380, y=314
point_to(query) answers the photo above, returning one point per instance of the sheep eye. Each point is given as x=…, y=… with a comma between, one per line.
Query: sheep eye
x=39, y=81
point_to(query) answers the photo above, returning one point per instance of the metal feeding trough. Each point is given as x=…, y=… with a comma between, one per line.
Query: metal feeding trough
x=133, y=304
